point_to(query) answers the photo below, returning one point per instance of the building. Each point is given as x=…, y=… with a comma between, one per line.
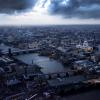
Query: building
x=83, y=65
x=66, y=81
x=85, y=47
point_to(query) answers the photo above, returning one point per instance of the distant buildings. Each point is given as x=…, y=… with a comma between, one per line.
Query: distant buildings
x=85, y=47
x=21, y=80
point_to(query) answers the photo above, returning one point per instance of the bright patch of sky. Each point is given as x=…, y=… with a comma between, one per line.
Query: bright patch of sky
x=39, y=16
x=65, y=2
x=42, y=6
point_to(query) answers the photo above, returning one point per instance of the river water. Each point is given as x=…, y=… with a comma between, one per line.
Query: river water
x=51, y=66
x=91, y=95
x=47, y=65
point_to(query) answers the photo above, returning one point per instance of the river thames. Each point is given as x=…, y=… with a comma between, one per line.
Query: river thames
x=52, y=66
x=47, y=65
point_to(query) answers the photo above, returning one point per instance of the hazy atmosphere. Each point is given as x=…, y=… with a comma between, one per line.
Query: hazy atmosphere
x=49, y=49
x=41, y=12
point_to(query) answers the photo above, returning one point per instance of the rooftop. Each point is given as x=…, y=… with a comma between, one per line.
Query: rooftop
x=66, y=81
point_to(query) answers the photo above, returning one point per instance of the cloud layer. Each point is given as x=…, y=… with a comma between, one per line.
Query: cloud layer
x=10, y=6
x=76, y=8
x=68, y=8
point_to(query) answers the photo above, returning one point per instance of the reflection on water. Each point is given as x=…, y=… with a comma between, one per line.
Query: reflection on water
x=92, y=95
x=48, y=65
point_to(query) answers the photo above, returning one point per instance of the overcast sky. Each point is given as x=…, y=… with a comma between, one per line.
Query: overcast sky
x=41, y=12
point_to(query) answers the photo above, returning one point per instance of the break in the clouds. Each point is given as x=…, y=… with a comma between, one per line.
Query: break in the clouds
x=66, y=8
x=39, y=12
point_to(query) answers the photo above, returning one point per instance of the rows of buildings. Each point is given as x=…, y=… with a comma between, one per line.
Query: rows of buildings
x=20, y=81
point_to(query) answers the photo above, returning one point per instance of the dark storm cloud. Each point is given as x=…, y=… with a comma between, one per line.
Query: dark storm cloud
x=66, y=8
x=76, y=8
x=10, y=6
